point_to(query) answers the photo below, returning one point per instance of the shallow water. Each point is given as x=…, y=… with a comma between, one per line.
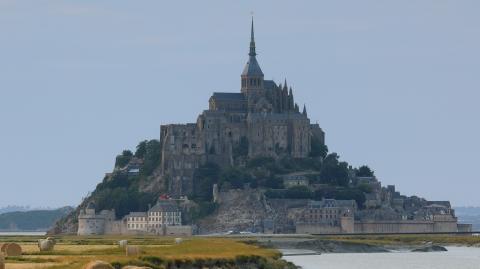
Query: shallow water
x=455, y=257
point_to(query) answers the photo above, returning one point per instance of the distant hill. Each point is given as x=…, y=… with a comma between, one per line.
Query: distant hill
x=34, y=220
x=14, y=208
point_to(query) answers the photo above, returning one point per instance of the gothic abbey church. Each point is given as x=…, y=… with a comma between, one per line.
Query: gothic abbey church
x=260, y=120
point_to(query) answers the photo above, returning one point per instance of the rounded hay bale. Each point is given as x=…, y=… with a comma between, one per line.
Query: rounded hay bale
x=2, y=261
x=98, y=265
x=178, y=240
x=3, y=247
x=13, y=249
x=122, y=243
x=132, y=250
x=46, y=244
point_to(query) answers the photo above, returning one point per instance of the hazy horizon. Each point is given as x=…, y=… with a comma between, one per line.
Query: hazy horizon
x=394, y=85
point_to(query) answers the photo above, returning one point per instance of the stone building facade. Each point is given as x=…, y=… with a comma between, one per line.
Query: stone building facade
x=164, y=213
x=260, y=120
x=91, y=223
x=165, y=218
x=327, y=216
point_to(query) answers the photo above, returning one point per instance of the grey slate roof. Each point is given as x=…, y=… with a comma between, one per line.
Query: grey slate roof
x=165, y=206
x=228, y=96
x=136, y=214
x=269, y=84
x=252, y=68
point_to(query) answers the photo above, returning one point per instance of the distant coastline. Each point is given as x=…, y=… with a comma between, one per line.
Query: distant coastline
x=26, y=233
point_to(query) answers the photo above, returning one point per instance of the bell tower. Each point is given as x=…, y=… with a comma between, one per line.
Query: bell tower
x=252, y=75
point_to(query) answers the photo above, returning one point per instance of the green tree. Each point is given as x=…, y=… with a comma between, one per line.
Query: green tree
x=318, y=149
x=203, y=179
x=151, y=158
x=141, y=149
x=299, y=192
x=123, y=159
x=364, y=171
x=237, y=177
x=124, y=200
x=333, y=171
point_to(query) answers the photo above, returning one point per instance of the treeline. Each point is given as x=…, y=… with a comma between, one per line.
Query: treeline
x=121, y=190
x=338, y=178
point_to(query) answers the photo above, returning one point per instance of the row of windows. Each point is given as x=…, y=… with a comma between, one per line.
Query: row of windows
x=252, y=82
x=321, y=216
x=160, y=214
x=324, y=211
x=136, y=225
x=160, y=218
x=137, y=219
x=142, y=225
x=164, y=213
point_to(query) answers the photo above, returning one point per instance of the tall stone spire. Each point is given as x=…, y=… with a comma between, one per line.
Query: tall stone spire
x=252, y=75
x=304, y=110
x=252, y=42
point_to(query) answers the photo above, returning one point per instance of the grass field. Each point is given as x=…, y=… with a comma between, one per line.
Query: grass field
x=75, y=252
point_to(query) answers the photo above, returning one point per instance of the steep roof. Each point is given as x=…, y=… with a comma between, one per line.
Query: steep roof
x=269, y=84
x=252, y=68
x=228, y=96
x=165, y=206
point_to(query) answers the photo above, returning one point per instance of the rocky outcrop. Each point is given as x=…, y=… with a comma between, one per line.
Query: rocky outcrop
x=430, y=248
x=238, y=210
x=322, y=246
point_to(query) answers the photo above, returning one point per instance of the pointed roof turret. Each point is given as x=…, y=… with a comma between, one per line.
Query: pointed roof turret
x=304, y=110
x=252, y=68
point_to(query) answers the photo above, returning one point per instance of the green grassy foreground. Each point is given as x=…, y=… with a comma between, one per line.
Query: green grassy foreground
x=73, y=252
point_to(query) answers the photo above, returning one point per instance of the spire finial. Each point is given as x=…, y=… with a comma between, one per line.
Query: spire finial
x=252, y=33
x=252, y=41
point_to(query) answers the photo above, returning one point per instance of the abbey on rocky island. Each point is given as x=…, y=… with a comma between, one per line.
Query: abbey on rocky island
x=260, y=120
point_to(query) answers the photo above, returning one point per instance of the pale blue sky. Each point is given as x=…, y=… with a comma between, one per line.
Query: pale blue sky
x=395, y=84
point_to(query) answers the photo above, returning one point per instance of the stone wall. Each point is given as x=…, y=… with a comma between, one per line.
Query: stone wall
x=465, y=228
x=178, y=230
x=317, y=229
x=115, y=227
x=405, y=226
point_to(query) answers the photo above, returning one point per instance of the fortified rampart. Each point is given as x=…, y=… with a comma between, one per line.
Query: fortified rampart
x=405, y=226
